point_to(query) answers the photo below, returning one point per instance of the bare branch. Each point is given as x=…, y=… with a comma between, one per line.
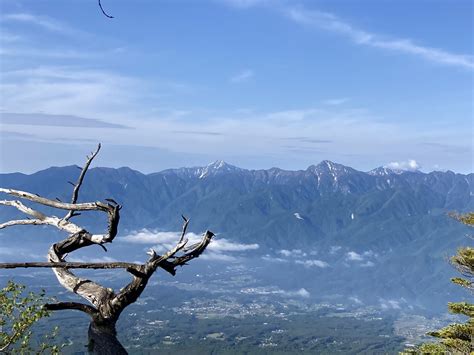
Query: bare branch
x=113, y=212
x=22, y=208
x=22, y=222
x=195, y=252
x=185, y=227
x=78, y=184
x=72, y=305
x=106, y=304
x=89, y=206
x=40, y=218
x=72, y=265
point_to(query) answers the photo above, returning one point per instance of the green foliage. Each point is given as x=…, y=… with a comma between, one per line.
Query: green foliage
x=464, y=308
x=456, y=338
x=19, y=311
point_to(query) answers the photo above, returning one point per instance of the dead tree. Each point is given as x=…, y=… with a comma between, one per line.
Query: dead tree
x=105, y=305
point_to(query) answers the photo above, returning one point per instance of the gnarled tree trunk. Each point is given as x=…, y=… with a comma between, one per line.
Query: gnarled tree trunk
x=103, y=339
x=106, y=305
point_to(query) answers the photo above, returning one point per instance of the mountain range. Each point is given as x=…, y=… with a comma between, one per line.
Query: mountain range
x=384, y=231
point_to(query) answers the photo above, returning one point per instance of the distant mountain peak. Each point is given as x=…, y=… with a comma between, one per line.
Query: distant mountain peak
x=383, y=171
x=216, y=167
x=219, y=164
x=327, y=166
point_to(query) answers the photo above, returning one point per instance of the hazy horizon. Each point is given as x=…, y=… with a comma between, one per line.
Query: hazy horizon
x=258, y=83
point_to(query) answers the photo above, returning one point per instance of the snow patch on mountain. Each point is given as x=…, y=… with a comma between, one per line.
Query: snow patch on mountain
x=298, y=216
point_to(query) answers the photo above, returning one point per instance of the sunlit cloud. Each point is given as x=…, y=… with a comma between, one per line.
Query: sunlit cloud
x=220, y=249
x=409, y=165
x=353, y=256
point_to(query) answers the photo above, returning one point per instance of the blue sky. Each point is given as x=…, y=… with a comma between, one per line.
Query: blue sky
x=258, y=83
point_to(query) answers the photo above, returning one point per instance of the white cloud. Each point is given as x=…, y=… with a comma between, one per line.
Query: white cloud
x=312, y=263
x=273, y=259
x=293, y=252
x=217, y=250
x=146, y=236
x=226, y=245
x=334, y=249
x=59, y=90
x=298, y=254
x=389, y=304
x=285, y=252
x=362, y=259
x=126, y=100
x=302, y=292
x=409, y=165
x=243, y=76
x=218, y=257
x=353, y=256
x=332, y=23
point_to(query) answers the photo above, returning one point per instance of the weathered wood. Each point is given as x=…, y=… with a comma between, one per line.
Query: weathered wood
x=72, y=265
x=106, y=306
x=78, y=184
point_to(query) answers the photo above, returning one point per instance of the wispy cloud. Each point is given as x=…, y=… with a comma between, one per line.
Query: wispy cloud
x=297, y=256
x=329, y=22
x=302, y=292
x=40, y=119
x=335, y=102
x=294, y=252
x=242, y=76
x=43, y=22
x=390, y=304
x=363, y=259
x=332, y=23
x=62, y=89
